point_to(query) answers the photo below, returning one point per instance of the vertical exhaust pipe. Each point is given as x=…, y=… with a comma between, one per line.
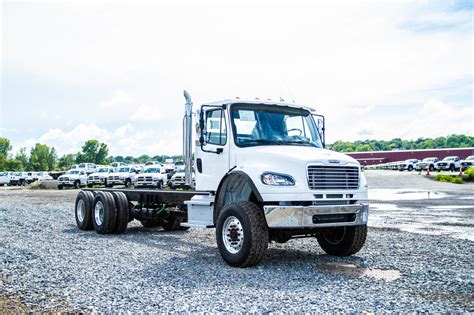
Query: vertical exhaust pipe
x=187, y=139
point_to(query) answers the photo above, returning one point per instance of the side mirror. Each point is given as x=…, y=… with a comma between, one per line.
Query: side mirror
x=321, y=125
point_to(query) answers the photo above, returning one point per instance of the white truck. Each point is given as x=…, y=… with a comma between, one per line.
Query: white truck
x=125, y=175
x=467, y=162
x=428, y=163
x=4, y=179
x=99, y=177
x=178, y=180
x=262, y=175
x=89, y=168
x=409, y=165
x=41, y=176
x=152, y=176
x=73, y=178
x=449, y=163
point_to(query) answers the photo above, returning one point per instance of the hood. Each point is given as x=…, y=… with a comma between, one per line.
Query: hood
x=296, y=154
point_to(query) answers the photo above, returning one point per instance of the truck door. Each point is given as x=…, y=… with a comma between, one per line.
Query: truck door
x=212, y=158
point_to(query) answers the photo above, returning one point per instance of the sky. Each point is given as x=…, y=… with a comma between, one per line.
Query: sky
x=116, y=70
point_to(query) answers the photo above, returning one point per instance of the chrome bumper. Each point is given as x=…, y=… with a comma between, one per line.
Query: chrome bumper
x=307, y=217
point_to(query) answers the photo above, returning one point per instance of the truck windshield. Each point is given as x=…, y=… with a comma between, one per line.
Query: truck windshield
x=152, y=170
x=273, y=125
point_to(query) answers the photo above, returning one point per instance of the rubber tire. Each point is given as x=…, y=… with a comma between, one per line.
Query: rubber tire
x=432, y=168
x=255, y=229
x=60, y=187
x=351, y=243
x=147, y=223
x=77, y=184
x=109, y=185
x=90, y=185
x=452, y=168
x=110, y=213
x=128, y=182
x=159, y=185
x=410, y=168
x=121, y=203
x=88, y=199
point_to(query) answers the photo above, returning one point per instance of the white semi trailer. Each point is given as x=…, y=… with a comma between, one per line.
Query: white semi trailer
x=261, y=175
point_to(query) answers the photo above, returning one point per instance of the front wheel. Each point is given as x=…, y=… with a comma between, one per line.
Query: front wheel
x=432, y=168
x=452, y=168
x=343, y=240
x=128, y=183
x=77, y=184
x=242, y=234
x=410, y=168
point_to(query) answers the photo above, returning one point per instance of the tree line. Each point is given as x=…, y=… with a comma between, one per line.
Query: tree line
x=452, y=141
x=41, y=157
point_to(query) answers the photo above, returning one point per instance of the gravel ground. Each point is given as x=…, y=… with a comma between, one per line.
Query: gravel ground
x=50, y=265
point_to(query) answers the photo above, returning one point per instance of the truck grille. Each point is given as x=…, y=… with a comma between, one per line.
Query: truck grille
x=333, y=177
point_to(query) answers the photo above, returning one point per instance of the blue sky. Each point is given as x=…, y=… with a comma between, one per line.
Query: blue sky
x=72, y=71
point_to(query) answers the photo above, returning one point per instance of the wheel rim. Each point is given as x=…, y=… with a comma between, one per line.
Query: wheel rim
x=335, y=236
x=233, y=235
x=81, y=210
x=99, y=212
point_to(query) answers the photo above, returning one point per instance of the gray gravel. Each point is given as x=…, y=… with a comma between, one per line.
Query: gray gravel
x=49, y=265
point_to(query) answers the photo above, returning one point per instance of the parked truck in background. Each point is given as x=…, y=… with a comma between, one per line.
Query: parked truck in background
x=467, y=162
x=153, y=176
x=428, y=163
x=72, y=178
x=409, y=165
x=449, y=163
x=262, y=174
x=99, y=177
x=125, y=175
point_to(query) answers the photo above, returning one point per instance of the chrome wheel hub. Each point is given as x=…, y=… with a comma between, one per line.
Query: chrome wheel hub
x=81, y=210
x=99, y=212
x=233, y=235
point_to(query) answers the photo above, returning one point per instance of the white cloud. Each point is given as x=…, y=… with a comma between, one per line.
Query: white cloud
x=117, y=100
x=345, y=59
x=147, y=112
x=124, y=140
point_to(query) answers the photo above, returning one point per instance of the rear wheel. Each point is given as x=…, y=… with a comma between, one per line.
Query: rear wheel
x=343, y=240
x=121, y=222
x=242, y=234
x=84, y=203
x=104, y=213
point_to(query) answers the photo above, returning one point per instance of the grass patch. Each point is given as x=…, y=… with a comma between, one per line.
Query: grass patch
x=449, y=179
x=469, y=174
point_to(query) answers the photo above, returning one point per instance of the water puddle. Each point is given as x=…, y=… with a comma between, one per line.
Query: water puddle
x=450, y=220
x=404, y=194
x=354, y=271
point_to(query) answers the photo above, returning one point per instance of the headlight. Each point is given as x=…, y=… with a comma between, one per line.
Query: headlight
x=276, y=179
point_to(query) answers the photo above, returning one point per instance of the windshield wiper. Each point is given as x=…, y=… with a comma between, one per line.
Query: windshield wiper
x=263, y=141
x=302, y=142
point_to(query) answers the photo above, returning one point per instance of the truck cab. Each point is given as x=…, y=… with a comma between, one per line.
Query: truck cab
x=266, y=162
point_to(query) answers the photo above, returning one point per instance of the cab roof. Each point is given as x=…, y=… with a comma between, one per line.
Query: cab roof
x=258, y=102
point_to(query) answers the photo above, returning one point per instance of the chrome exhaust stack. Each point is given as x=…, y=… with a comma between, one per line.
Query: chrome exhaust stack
x=187, y=139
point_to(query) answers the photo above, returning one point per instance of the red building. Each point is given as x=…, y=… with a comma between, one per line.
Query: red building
x=378, y=157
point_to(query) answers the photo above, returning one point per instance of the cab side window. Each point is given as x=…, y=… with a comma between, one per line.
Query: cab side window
x=216, y=127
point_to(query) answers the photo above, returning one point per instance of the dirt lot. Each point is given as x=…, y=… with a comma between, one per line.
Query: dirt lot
x=418, y=257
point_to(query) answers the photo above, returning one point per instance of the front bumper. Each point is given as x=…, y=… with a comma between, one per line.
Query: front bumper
x=146, y=183
x=67, y=183
x=316, y=216
x=96, y=181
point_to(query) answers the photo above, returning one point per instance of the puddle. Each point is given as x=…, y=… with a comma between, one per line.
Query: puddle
x=354, y=271
x=404, y=194
x=448, y=220
x=451, y=207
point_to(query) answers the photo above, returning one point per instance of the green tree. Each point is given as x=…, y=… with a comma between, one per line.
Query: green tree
x=93, y=151
x=5, y=147
x=14, y=165
x=66, y=161
x=23, y=158
x=42, y=158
